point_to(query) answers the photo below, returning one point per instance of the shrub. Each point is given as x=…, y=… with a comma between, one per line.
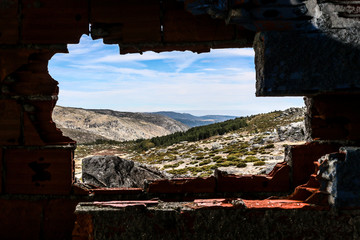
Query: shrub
x=178, y=171
x=175, y=165
x=225, y=164
x=259, y=163
x=241, y=165
x=232, y=158
x=251, y=159
x=269, y=146
x=207, y=161
x=250, y=153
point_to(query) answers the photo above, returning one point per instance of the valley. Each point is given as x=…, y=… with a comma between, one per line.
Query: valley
x=252, y=149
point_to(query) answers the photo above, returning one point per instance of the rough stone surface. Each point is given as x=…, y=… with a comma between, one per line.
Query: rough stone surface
x=115, y=172
x=177, y=221
x=340, y=177
x=285, y=63
x=292, y=132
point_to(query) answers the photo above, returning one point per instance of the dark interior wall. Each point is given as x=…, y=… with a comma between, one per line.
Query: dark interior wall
x=36, y=168
x=37, y=192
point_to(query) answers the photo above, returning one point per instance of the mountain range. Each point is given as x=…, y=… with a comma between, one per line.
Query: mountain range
x=195, y=121
x=89, y=125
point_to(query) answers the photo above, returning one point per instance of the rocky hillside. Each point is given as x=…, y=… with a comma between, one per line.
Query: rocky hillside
x=88, y=125
x=253, y=149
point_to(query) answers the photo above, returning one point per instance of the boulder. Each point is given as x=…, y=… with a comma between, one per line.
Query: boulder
x=292, y=132
x=115, y=172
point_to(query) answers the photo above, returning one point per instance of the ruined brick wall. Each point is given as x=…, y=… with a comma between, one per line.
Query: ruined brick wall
x=37, y=192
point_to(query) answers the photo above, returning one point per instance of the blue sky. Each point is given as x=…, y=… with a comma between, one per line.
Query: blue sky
x=94, y=75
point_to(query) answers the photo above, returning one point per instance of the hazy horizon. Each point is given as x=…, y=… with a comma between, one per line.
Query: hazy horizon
x=197, y=113
x=221, y=82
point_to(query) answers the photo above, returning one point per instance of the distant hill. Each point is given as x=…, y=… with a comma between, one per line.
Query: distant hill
x=89, y=125
x=194, y=121
x=264, y=122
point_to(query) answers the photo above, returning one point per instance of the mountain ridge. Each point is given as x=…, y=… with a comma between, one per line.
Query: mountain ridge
x=195, y=121
x=88, y=125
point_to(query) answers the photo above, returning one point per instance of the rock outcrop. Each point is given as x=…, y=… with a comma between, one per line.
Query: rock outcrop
x=292, y=132
x=115, y=172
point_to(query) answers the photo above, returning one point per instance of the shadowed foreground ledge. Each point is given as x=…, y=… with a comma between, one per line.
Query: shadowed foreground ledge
x=213, y=219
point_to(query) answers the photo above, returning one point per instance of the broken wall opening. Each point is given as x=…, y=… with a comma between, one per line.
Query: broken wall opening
x=33, y=207
x=92, y=72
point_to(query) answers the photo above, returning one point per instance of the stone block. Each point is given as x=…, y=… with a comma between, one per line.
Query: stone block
x=10, y=122
x=38, y=171
x=115, y=172
x=20, y=219
x=339, y=174
x=261, y=219
x=306, y=64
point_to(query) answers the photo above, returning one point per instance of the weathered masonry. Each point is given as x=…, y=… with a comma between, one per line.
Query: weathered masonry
x=303, y=48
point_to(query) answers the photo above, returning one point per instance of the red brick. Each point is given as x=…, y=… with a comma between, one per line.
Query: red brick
x=303, y=158
x=33, y=78
x=9, y=22
x=318, y=198
x=59, y=219
x=276, y=203
x=280, y=178
x=302, y=193
x=20, y=219
x=123, y=18
x=42, y=171
x=44, y=124
x=31, y=135
x=183, y=185
x=276, y=181
x=1, y=169
x=13, y=59
x=214, y=203
x=333, y=117
x=53, y=21
x=84, y=228
x=78, y=189
x=182, y=26
x=10, y=121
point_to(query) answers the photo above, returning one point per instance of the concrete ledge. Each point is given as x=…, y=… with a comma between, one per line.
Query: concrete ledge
x=214, y=219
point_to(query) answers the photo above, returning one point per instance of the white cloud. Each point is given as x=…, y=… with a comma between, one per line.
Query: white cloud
x=96, y=76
